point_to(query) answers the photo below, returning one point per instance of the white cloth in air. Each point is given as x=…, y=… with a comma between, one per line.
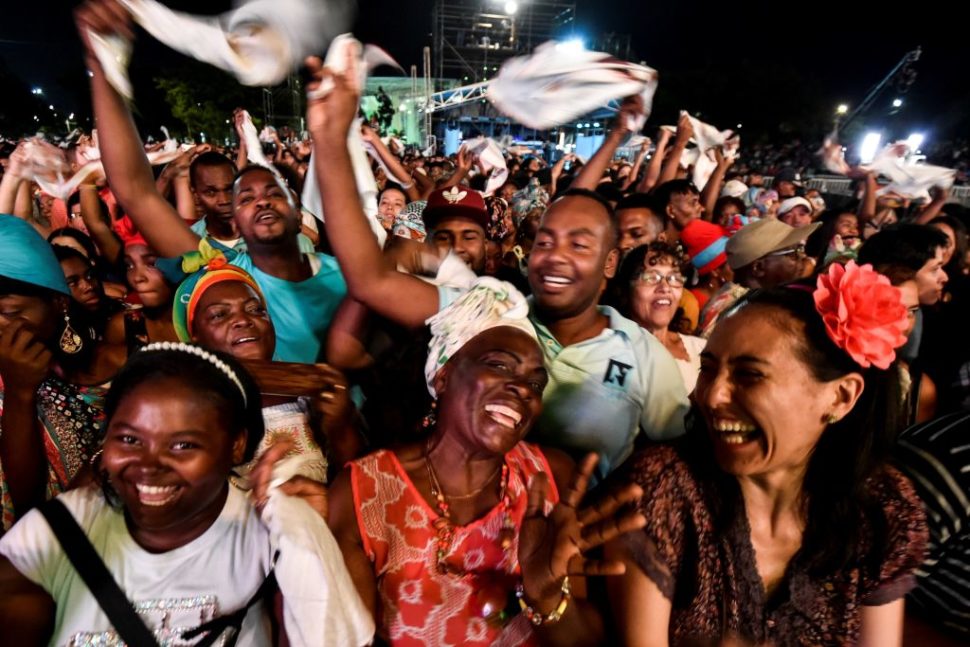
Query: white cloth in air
x=556, y=84
x=490, y=157
x=259, y=42
x=345, y=50
x=47, y=165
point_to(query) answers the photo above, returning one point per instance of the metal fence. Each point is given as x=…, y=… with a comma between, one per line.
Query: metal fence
x=838, y=185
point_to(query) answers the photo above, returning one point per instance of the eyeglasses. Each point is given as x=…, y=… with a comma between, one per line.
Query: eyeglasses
x=797, y=250
x=675, y=280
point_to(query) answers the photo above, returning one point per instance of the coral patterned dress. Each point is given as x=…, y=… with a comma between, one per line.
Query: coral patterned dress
x=418, y=604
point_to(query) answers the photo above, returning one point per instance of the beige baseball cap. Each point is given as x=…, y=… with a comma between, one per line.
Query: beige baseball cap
x=762, y=237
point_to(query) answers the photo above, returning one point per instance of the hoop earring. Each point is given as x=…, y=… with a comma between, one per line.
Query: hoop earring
x=71, y=342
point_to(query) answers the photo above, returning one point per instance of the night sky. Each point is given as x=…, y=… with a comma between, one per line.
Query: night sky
x=775, y=66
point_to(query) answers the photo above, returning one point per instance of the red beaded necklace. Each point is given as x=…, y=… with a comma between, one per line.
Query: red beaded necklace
x=445, y=527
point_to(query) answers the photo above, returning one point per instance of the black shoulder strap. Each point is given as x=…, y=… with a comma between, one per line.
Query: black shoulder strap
x=99, y=581
x=234, y=620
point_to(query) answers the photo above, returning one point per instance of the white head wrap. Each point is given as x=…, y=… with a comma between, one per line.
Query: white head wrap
x=489, y=303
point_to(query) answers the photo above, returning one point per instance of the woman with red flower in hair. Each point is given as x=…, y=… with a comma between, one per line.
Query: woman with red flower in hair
x=777, y=519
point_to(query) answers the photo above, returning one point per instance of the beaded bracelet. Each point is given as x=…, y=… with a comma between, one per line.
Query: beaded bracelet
x=553, y=616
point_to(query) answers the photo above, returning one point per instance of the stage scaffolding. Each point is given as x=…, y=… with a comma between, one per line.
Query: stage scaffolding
x=472, y=38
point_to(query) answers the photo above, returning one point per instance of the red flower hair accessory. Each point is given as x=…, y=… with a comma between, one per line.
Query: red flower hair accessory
x=863, y=313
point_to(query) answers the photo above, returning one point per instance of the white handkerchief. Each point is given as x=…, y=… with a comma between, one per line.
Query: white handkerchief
x=707, y=138
x=554, y=85
x=346, y=48
x=833, y=157
x=367, y=58
x=254, y=144
x=259, y=42
x=321, y=606
x=491, y=159
x=47, y=165
x=907, y=178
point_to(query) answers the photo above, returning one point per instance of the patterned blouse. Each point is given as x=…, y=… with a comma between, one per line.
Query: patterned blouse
x=72, y=417
x=419, y=605
x=713, y=582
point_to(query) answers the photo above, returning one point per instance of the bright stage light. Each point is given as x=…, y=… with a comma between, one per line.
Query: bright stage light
x=571, y=45
x=914, y=142
x=842, y=109
x=511, y=7
x=870, y=144
x=897, y=103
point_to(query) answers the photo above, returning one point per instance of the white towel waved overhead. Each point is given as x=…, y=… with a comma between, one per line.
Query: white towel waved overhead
x=260, y=41
x=47, y=165
x=907, y=178
x=490, y=158
x=347, y=56
x=707, y=138
x=556, y=84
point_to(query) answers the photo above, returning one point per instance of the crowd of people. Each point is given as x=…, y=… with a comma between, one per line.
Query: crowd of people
x=596, y=404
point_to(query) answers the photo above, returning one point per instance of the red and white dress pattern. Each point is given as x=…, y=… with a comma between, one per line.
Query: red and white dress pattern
x=418, y=605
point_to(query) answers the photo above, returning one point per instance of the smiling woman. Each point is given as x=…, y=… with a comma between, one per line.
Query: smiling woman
x=780, y=499
x=188, y=550
x=222, y=308
x=441, y=534
x=650, y=283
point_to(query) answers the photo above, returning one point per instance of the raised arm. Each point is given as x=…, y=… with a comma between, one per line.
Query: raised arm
x=463, y=165
x=637, y=163
x=932, y=210
x=672, y=164
x=12, y=182
x=97, y=225
x=592, y=173
x=24, y=362
x=552, y=546
x=125, y=164
x=653, y=169
x=712, y=190
x=392, y=162
x=397, y=296
x=867, y=208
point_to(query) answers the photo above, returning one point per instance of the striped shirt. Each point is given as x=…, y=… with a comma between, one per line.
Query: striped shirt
x=936, y=457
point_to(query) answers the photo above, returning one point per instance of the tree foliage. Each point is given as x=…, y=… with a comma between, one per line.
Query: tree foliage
x=202, y=98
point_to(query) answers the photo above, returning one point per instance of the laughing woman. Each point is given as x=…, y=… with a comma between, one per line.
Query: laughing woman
x=441, y=535
x=777, y=520
x=221, y=308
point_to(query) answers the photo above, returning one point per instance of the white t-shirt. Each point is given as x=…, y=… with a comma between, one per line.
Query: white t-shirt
x=690, y=369
x=214, y=575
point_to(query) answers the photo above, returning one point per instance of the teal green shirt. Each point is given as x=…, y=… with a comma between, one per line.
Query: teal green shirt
x=301, y=311
x=306, y=245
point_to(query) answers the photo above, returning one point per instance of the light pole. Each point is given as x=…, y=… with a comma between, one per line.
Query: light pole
x=840, y=111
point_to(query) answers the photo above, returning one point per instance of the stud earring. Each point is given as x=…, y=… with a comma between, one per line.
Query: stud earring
x=832, y=419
